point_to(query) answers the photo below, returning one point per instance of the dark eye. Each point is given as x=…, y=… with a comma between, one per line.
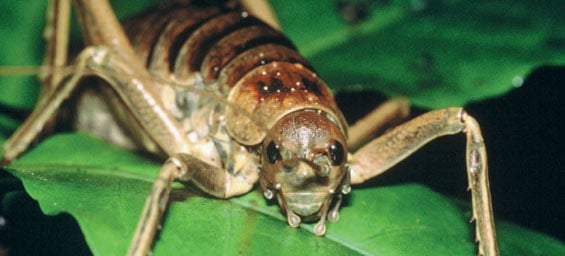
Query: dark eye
x=337, y=154
x=273, y=153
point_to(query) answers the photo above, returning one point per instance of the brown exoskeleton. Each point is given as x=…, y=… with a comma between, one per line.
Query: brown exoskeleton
x=230, y=102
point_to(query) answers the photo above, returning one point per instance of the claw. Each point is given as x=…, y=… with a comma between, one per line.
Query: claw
x=293, y=219
x=320, y=228
x=333, y=215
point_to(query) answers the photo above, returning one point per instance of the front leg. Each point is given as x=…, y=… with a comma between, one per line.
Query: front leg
x=183, y=168
x=394, y=146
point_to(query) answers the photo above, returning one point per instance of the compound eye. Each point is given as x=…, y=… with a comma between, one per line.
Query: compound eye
x=337, y=153
x=273, y=152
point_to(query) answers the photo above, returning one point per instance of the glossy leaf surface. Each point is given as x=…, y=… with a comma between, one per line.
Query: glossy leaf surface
x=447, y=53
x=105, y=187
x=440, y=53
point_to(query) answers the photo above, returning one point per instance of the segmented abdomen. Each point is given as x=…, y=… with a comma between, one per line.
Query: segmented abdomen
x=251, y=64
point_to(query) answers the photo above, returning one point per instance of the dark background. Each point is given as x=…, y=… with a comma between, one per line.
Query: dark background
x=524, y=134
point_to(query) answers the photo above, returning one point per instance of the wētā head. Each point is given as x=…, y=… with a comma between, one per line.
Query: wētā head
x=304, y=165
x=291, y=114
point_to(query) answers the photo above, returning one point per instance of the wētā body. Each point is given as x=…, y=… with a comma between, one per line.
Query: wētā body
x=230, y=102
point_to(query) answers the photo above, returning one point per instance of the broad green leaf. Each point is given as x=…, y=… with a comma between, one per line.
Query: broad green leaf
x=440, y=53
x=104, y=189
x=21, y=45
x=447, y=53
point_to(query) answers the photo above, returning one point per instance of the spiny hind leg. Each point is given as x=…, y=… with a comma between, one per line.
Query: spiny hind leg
x=387, y=150
x=132, y=88
x=113, y=60
x=55, y=88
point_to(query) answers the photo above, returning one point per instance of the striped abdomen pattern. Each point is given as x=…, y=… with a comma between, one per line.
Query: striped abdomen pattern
x=257, y=67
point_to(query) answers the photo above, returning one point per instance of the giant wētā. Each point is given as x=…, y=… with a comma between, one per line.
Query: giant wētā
x=269, y=112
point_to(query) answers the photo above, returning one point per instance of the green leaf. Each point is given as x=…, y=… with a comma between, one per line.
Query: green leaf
x=440, y=53
x=104, y=188
x=21, y=45
x=448, y=53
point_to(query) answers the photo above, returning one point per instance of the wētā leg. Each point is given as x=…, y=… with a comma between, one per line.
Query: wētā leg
x=183, y=168
x=110, y=57
x=387, y=150
x=132, y=88
x=113, y=59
